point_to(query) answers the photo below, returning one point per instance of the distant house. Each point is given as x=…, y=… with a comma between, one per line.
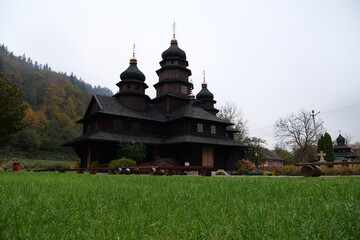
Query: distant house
x=343, y=152
x=175, y=124
x=270, y=160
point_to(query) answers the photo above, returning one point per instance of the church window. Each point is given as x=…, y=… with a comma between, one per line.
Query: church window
x=128, y=85
x=184, y=89
x=172, y=61
x=117, y=124
x=213, y=129
x=137, y=86
x=200, y=127
x=135, y=126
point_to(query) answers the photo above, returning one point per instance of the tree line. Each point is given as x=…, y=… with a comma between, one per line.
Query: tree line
x=299, y=140
x=55, y=101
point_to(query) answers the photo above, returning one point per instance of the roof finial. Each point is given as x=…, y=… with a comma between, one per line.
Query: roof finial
x=174, y=29
x=134, y=50
x=173, y=40
x=133, y=59
x=204, y=83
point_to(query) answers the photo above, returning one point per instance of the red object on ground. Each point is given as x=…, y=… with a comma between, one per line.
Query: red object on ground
x=16, y=167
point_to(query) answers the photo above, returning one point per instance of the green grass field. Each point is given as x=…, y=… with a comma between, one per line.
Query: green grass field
x=76, y=206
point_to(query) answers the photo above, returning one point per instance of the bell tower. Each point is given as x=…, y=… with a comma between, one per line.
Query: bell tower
x=173, y=87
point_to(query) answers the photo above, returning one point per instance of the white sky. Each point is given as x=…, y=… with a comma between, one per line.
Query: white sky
x=269, y=57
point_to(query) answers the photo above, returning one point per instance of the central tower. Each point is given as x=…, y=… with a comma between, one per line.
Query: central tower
x=173, y=88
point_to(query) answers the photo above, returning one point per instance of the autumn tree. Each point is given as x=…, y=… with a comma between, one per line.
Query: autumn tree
x=298, y=132
x=12, y=109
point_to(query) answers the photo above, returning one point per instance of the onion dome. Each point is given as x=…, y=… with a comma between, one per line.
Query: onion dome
x=173, y=51
x=132, y=72
x=204, y=93
x=340, y=140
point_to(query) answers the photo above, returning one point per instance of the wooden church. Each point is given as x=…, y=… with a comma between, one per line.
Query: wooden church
x=173, y=125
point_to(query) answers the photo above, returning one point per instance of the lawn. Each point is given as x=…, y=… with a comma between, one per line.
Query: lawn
x=80, y=206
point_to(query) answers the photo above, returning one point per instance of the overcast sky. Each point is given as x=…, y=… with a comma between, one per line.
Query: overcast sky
x=270, y=58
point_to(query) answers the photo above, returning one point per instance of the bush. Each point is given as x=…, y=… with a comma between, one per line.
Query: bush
x=122, y=163
x=290, y=170
x=132, y=150
x=75, y=165
x=244, y=166
x=219, y=173
x=255, y=172
x=95, y=164
x=341, y=171
x=267, y=173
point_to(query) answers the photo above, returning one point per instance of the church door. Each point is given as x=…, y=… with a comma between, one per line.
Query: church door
x=208, y=156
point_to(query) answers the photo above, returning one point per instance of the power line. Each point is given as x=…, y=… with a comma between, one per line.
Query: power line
x=261, y=128
x=345, y=108
x=352, y=106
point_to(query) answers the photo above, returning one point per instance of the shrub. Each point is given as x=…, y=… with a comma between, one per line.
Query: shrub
x=244, y=166
x=290, y=170
x=341, y=171
x=267, y=173
x=95, y=164
x=255, y=172
x=219, y=173
x=122, y=163
x=132, y=150
x=2, y=170
x=75, y=165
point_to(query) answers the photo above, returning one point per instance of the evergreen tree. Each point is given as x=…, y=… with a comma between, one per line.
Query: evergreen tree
x=325, y=145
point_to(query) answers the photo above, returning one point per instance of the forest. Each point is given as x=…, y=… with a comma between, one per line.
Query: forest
x=56, y=101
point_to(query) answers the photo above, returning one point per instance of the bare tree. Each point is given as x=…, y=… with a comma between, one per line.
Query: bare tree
x=230, y=112
x=298, y=132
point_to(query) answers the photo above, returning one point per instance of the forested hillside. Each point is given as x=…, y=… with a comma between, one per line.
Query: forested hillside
x=56, y=101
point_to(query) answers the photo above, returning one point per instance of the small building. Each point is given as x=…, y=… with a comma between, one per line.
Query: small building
x=270, y=160
x=342, y=152
x=173, y=125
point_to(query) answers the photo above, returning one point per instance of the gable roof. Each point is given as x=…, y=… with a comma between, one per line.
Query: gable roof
x=117, y=136
x=269, y=155
x=111, y=105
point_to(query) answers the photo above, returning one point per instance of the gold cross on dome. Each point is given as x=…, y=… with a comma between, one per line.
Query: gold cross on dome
x=134, y=50
x=204, y=75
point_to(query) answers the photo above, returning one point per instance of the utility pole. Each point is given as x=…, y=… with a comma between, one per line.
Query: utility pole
x=315, y=128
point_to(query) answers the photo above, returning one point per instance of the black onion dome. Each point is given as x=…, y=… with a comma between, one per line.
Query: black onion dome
x=204, y=93
x=132, y=72
x=173, y=51
x=340, y=140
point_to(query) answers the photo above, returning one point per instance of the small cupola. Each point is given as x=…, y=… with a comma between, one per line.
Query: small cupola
x=206, y=98
x=132, y=72
x=204, y=93
x=340, y=140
